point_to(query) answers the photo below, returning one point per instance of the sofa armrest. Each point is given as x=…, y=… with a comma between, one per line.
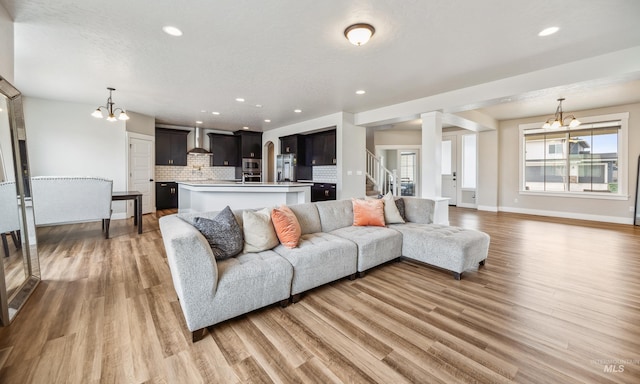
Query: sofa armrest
x=193, y=267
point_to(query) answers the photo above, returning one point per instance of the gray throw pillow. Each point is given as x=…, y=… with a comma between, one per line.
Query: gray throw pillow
x=223, y=234
x=400, y=206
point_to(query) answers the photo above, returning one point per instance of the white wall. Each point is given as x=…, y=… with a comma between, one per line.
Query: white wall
x=6, y=45
x=140, y=123
x=590, y=209
x=350, y=149
x=398, y=137
x=63, y=139
x=488, y=167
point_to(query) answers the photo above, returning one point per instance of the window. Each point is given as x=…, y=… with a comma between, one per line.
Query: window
x=407, y=166
x=583, y=160
x=469, y=161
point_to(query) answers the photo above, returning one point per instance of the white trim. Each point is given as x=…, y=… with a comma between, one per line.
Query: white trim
x=466, y=205
x=488, y=208
x=569, y=215
x=581, y=195
x=134, y=135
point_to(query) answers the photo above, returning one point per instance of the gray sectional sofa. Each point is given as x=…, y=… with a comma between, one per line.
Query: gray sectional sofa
x=330, y=248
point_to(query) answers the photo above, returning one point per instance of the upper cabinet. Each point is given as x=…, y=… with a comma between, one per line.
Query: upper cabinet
x=294, y=144
x=225, y=149
x=321, y=148
x=250, y=144
x=171, y=147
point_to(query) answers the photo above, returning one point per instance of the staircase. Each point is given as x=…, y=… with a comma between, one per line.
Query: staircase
x=379, y=179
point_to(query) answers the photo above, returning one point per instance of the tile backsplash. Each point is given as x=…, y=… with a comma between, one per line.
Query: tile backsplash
x=198, y=168
x=325, y=174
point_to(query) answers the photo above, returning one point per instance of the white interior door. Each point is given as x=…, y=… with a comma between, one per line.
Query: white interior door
x=449, y=169
x=141, y=169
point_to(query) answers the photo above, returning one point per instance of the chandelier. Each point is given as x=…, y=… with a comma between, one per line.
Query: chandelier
x=558, y=120
x=109, y=109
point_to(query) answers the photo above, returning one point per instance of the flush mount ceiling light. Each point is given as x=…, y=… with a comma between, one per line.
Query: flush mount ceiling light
x=359, y=34
x=558, y=119
x=110, y=111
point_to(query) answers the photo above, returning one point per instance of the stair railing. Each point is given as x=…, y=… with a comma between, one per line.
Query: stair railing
x=383, y=179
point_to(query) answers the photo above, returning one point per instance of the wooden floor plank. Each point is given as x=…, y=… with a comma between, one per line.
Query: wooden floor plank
x=557, y=301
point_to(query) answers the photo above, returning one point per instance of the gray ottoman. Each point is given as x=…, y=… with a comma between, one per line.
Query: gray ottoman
x=452, y=248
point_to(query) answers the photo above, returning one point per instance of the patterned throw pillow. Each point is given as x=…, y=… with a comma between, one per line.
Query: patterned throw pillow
x=400, y=206
x=223, y=234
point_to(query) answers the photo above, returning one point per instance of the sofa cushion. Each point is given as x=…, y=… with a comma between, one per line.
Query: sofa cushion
x=223, y=234
x=247, y=282
x=308, y=217
x=453, y=248
x=258, y=231
x=335, y=214
x=286, y=225
x=376, y=245
x=418, y=210
x=368, y=212
x=320, y=258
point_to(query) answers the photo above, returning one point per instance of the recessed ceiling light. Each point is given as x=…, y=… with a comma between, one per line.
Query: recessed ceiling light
x=215, y=113
x=258, y=105
x=173, y=31
x=267, y=120
x=245, y=127
x=548, y=31
x=360, y=92
x=198, y=122
x=297, y=110
x=240, y=99
x=203, y=111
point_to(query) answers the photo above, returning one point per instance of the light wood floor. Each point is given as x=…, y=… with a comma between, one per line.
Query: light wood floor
x=557, y=301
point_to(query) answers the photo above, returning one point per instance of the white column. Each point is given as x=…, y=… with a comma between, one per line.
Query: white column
x=431, y=169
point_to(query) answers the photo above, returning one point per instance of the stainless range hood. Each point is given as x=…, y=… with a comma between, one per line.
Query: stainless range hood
x=198, y=148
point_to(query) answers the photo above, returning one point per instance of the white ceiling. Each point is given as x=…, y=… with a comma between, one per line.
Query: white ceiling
x=292, y=54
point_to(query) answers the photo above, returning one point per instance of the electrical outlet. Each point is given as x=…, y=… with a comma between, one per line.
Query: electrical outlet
x=515, y=200
x=631, y=208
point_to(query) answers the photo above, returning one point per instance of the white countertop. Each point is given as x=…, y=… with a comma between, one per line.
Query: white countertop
x=227, y=183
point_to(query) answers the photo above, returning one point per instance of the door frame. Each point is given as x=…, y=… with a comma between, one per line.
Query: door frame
x=453, y=138
x=405, y=147
x=129, y=175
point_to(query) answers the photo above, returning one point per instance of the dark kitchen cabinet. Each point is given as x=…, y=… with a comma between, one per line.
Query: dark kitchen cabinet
x=225, y=150
x=321, y=148
x=323, y=192
x=171, y=147
x=166, y=195
x=250, y=144
x=294, y=144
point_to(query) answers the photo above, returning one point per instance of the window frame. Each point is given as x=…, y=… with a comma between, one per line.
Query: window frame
x=623, y=160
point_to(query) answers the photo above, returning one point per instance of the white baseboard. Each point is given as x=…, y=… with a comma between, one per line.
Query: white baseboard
x=568, y=215
x=489, y=208
x=466, y=205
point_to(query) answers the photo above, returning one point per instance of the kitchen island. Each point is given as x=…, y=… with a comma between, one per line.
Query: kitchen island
x=213, y=195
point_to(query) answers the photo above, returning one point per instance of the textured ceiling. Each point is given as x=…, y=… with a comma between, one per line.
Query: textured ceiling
x=292, y=54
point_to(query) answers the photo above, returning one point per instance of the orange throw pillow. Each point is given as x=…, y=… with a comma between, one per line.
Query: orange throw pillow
x=287, y=226
x=368, y=212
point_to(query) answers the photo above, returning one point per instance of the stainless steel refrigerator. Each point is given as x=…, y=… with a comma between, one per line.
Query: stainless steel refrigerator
x=286, y=167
